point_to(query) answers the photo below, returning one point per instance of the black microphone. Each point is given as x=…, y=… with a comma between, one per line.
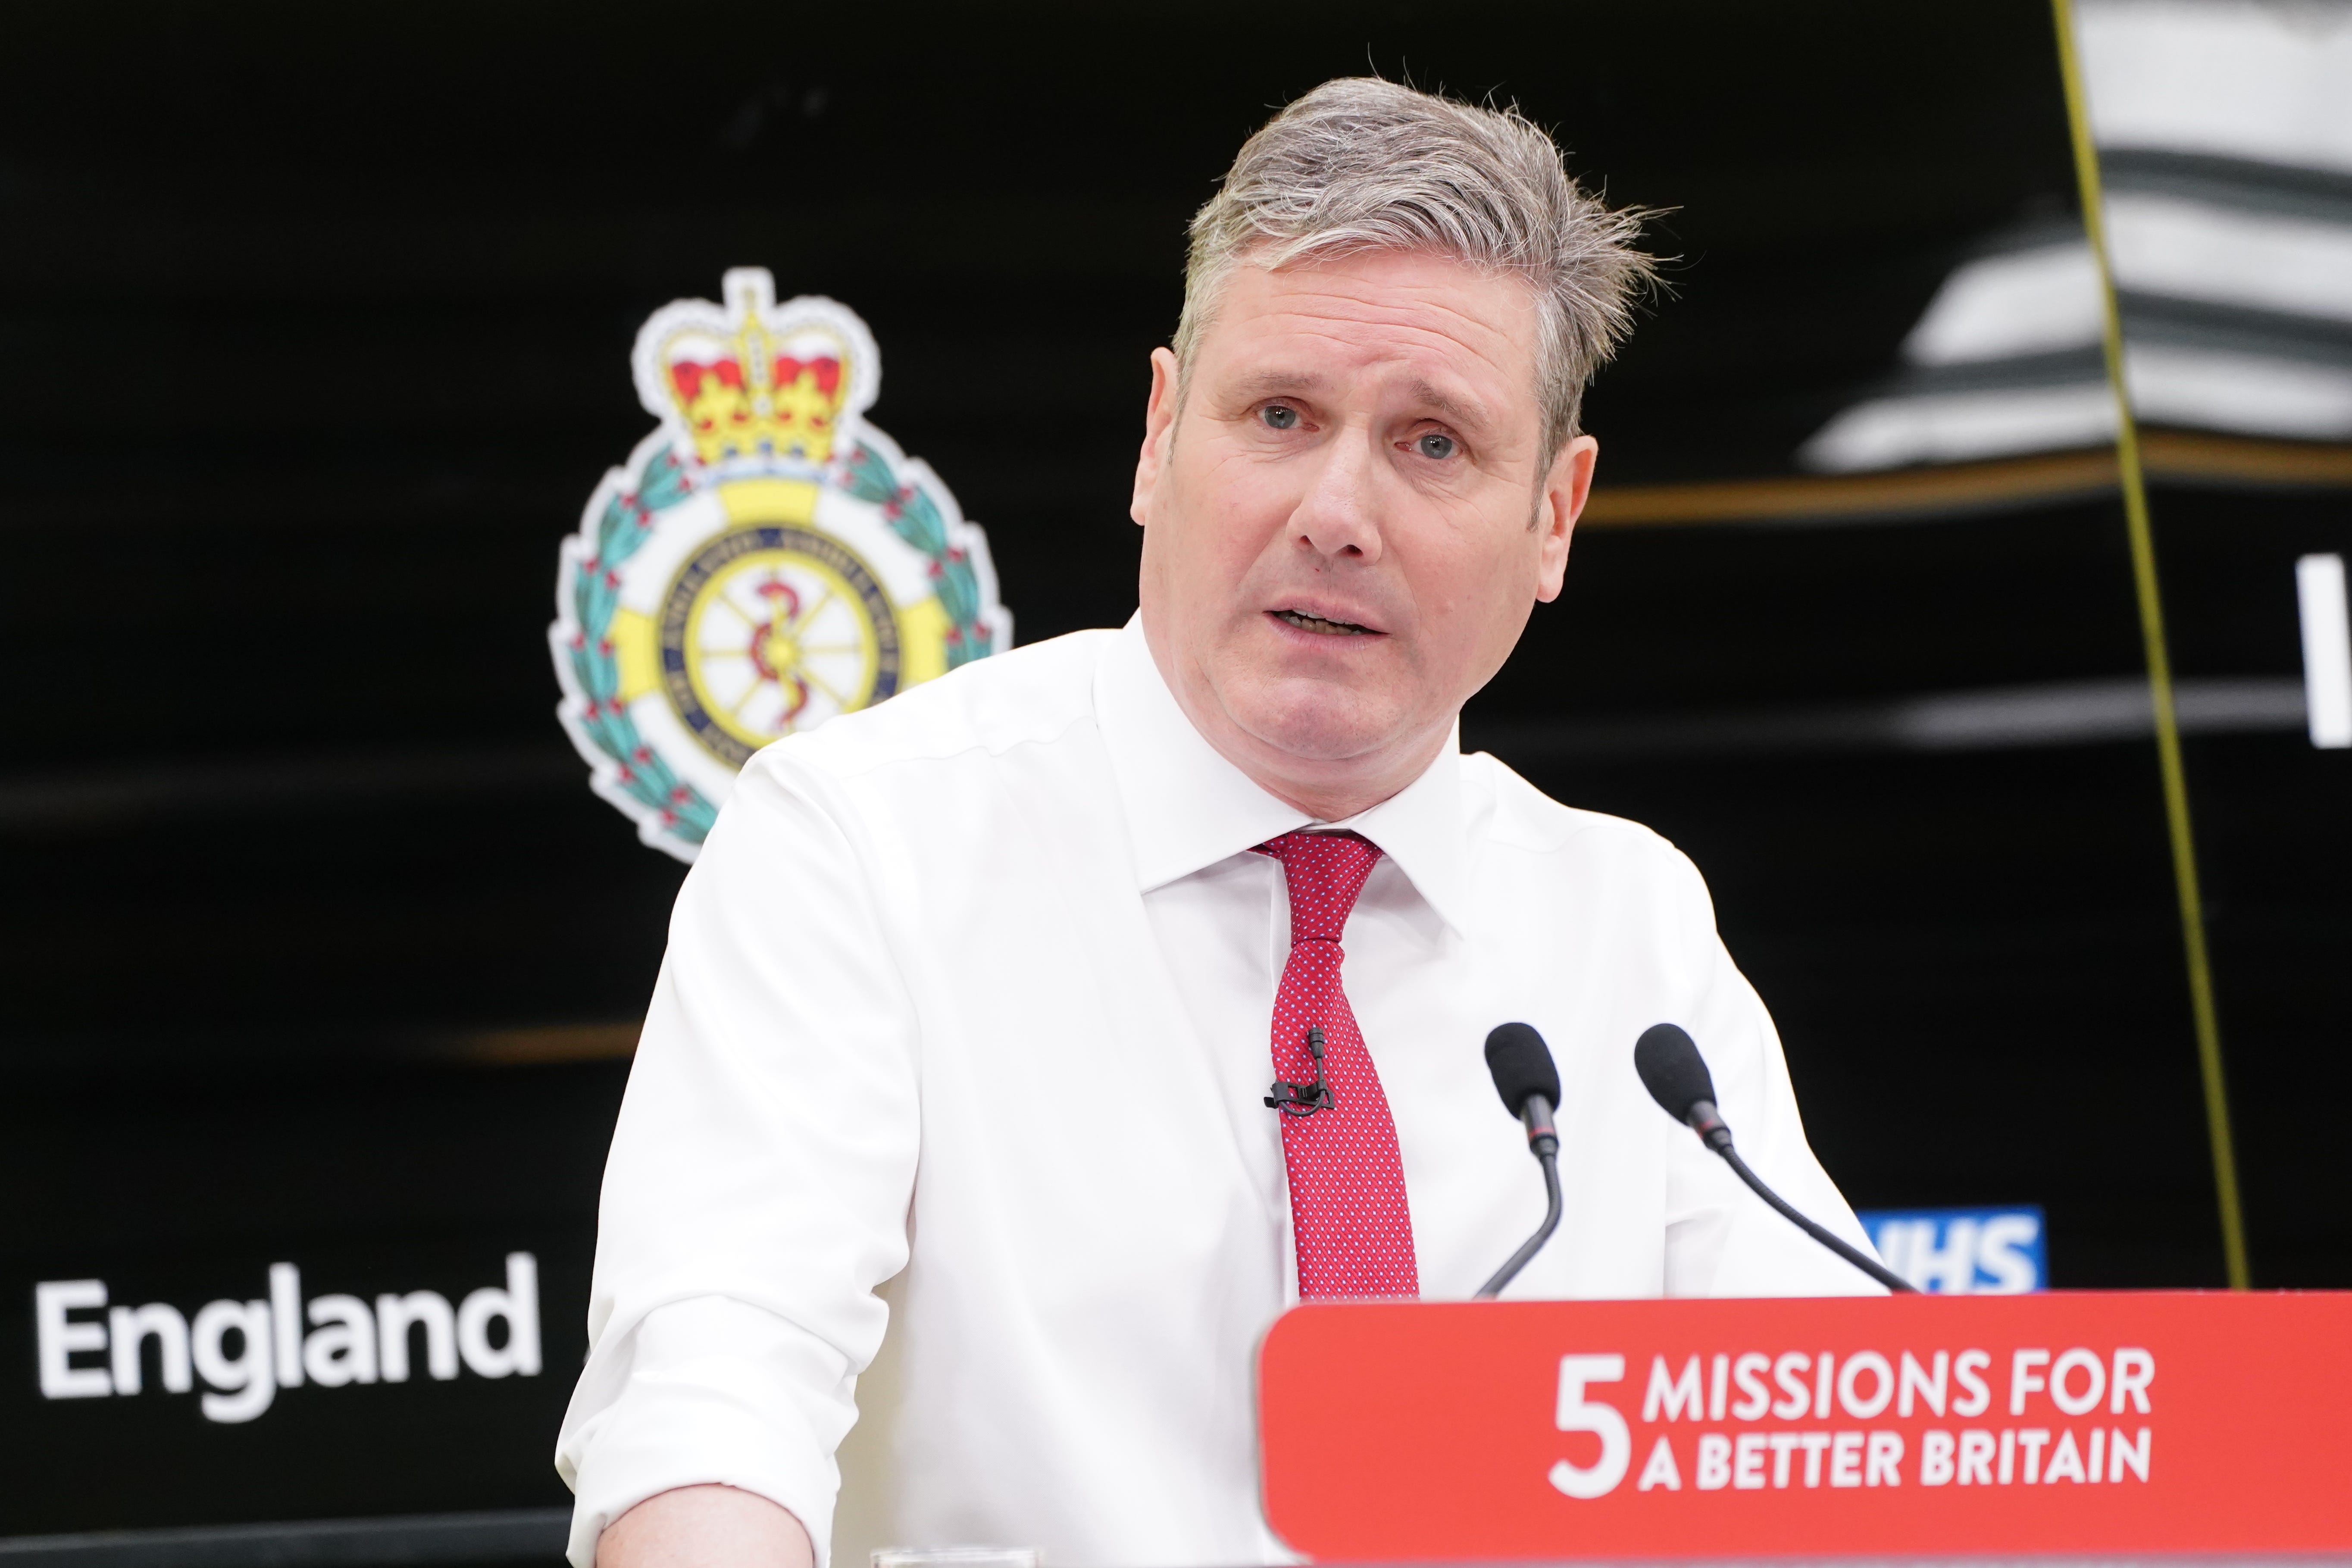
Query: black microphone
x=1676, y=1076
x=1529, y=1085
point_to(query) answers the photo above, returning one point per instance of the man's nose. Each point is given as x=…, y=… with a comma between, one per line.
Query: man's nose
x=1338, y=515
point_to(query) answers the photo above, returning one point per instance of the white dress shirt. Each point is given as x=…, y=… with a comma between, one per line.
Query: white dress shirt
x=958, y=1056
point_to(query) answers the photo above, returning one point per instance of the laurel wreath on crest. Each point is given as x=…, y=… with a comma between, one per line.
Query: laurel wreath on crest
x=627, y=521
x=914, y=517
x=625, y=525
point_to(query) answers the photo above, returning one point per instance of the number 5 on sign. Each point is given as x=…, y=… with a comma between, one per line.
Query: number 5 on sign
x=1578, y=1413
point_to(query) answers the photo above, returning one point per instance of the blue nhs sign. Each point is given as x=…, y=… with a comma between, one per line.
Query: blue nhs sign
x=1962, y=1252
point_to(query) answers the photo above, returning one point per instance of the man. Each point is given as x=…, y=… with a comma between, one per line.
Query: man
x=960, y=1052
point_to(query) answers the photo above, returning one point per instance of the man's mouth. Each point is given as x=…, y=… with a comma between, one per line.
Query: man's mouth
x=1317, y=625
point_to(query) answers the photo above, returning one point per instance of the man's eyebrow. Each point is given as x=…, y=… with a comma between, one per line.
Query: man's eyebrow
x=1279, y=383
x=1460, y=411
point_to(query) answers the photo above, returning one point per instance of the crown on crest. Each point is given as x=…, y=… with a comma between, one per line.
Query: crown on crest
x=754, y=385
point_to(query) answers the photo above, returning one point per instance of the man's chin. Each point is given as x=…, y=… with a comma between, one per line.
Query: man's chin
x=1321, y=726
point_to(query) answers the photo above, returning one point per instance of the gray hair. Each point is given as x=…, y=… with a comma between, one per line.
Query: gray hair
x=1365, y=165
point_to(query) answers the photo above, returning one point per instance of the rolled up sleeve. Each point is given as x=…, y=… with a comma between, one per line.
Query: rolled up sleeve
x=757, y=1187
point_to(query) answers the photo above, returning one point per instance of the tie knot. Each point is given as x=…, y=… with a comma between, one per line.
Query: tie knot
x=1326, y=871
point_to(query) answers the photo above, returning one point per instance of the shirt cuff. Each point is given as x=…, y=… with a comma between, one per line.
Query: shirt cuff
x=711, y=1390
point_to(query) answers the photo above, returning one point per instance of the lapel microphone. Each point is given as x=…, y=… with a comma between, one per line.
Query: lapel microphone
x=1529, y=1081
x=1303, y=1098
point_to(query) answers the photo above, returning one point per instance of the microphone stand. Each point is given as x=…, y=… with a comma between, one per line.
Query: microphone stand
x=1867, y=1263
x=1545, y=1145
x=1708, y=1123
x=1676, y=1076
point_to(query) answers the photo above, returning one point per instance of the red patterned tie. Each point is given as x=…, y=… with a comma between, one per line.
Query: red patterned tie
x=1346, y=1184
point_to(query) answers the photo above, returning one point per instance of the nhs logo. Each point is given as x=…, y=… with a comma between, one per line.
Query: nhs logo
x=1963, y=1252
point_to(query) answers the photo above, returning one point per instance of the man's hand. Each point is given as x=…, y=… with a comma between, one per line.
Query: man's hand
x=704, y=1527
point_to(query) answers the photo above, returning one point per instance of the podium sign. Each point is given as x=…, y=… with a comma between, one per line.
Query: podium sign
x=2081, y=1422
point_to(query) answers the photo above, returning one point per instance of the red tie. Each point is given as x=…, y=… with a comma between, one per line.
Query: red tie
x=1346, y=1184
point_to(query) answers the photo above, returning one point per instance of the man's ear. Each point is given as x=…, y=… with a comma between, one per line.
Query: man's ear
x=1158, y=432
x=1561, y=502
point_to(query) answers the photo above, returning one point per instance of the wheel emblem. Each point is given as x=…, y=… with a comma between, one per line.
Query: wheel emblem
x=770, y=630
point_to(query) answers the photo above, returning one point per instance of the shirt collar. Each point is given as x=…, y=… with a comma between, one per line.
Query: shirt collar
x=1187, y=807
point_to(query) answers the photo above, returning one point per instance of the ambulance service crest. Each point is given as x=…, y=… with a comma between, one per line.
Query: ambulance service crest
x=766, y=561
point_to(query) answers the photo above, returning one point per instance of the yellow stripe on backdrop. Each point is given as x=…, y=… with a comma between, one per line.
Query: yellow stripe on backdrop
x=2159, y=668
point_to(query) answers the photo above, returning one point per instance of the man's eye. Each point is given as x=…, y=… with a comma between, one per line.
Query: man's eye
x=1280, y=416
x=1435, y=445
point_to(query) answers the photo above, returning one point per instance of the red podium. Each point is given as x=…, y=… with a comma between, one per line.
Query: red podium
x=2095, y=1422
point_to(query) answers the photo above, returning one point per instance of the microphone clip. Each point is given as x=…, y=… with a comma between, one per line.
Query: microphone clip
x=1303, y=1098
x=1708, y=1123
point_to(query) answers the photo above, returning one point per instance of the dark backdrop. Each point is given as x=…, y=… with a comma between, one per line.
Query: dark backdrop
x=316, y=326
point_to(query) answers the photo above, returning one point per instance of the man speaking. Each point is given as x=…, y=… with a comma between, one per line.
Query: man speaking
x=974, y=1006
